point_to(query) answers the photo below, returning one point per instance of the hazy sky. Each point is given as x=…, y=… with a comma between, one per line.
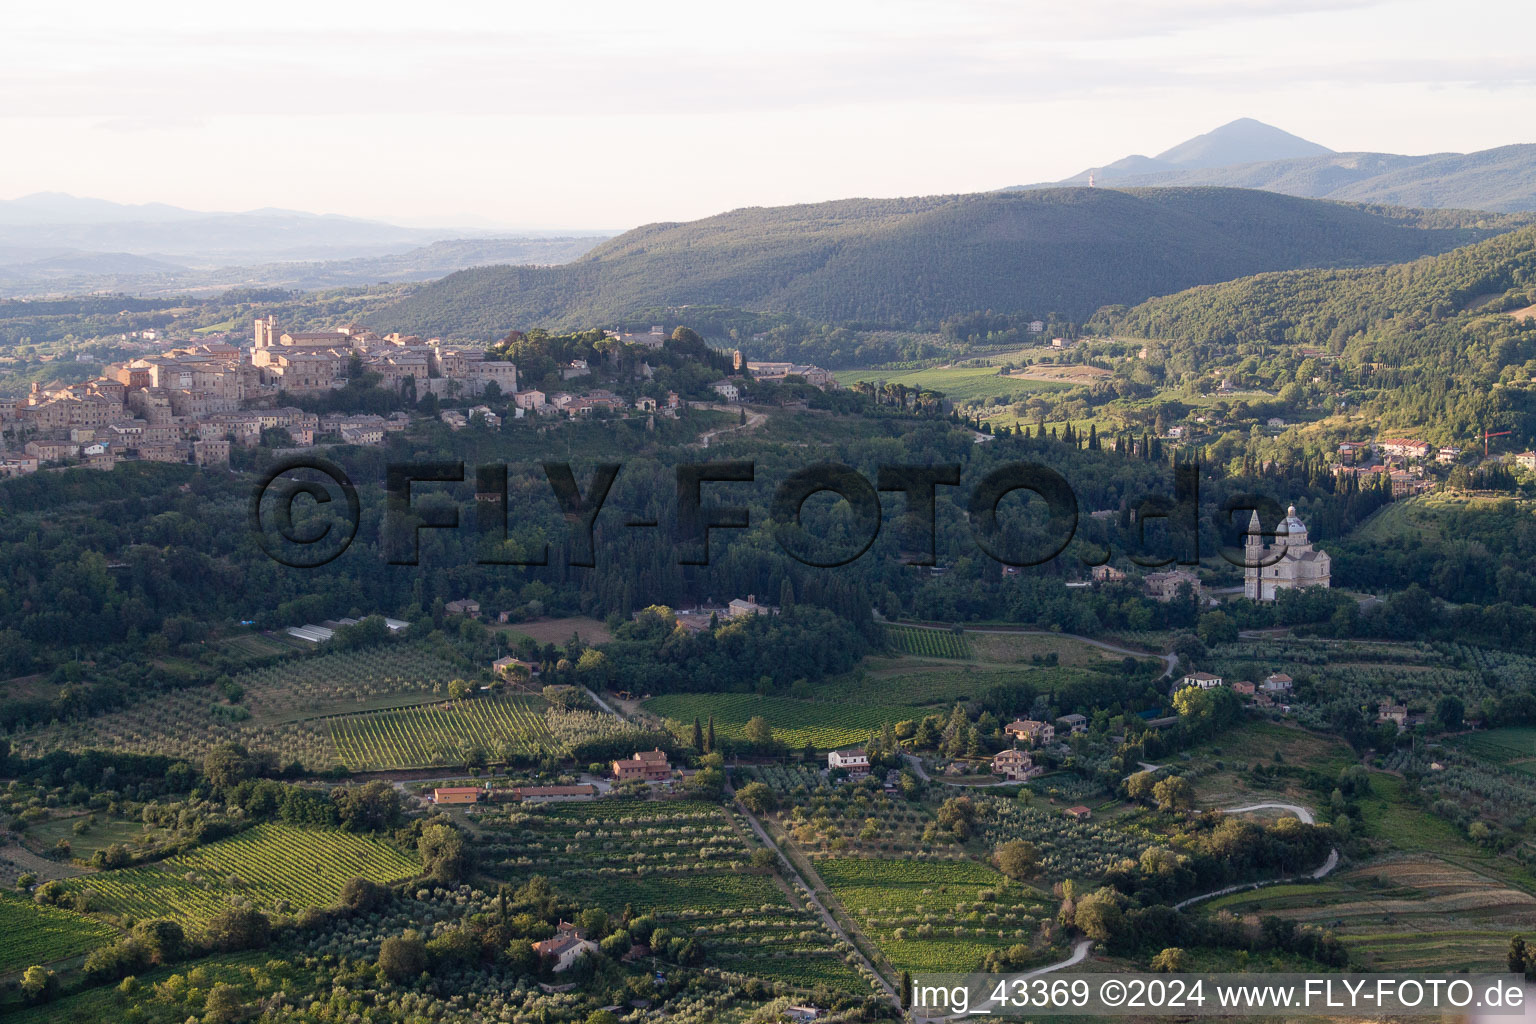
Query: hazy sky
x=609, y=114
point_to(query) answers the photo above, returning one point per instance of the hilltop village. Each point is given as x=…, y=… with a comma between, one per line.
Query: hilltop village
x=193, y=403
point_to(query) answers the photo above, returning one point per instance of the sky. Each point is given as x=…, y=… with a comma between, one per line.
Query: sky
x=603, y=115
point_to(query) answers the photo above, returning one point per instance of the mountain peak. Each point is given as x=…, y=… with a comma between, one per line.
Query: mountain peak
x=1244, y=141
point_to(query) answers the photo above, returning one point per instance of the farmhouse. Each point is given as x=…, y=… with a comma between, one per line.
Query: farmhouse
x=463, y=606
x=1278, y=682
x=1395, y=713
x=727, y=390
x=1030, y=731
x=564, y=949
x=1244, y=687
x=1078, y=813
x=1164, y=586
x=1072, y=723
x=855, y=760
x=504, y=666
x=1014, y=765
x=646, y=765
x=1204, y=680
x=457, y=794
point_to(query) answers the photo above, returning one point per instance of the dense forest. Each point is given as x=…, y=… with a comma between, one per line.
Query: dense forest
x=914, y=262
x=1427, y=345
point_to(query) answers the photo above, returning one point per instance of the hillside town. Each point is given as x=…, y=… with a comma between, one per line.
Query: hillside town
x=193, y=404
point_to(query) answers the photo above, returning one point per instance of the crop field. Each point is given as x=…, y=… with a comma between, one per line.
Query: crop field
x=928, y=643
x=960, y=383
x=1068, y=849
x=438, y=733
x=559, y=631
x=444, y=733
x=277, y=712
x=1403, y=913
x=682, y=861
x=30, y=934
x=823, y=724
x=253, y=646
x=275, y=866
x=842, y=821
x=343, y=680
x=935, y=916
x=1505, y=746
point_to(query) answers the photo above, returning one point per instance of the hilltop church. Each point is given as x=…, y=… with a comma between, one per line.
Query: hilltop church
x=1296, y=563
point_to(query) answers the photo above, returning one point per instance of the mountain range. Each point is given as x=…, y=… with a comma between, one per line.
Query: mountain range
x=52, y=243
x=904, y=262
x=1250, y=154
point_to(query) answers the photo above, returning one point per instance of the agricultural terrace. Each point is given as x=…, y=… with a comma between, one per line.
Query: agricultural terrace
x=343, y=681
x=277, y=711
x=937, y=916
x=1068, y=848
x=466, y=731
x=1365, y=673
x=684, y=862
x=823, y=724
x=30, y=934
x=835, y=820
x=277, y=867
x=1512, y=747
x=1402, y=913
x=928, y=643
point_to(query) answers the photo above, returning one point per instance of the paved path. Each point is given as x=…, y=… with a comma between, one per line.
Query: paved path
x=1079, y=954
x=1301, y=812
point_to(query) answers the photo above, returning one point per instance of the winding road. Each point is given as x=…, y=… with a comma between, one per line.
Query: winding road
x=1306, y=817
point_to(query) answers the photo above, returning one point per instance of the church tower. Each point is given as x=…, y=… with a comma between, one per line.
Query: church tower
x=1253, y=558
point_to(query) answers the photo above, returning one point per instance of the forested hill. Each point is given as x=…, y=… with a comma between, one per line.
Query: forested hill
x=1443, y=343
x=909, y=262
x=1492, y=179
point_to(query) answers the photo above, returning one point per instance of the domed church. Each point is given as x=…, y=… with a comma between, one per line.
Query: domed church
x=1288, y=564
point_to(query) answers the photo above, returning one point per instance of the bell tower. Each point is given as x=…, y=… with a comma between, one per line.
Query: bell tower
x=1253, y=559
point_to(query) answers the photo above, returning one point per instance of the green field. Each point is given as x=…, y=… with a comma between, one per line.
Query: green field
x=961, y=383
x=269, y=865
x=30, y=934
x=1502, y=746
x=822, y=724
